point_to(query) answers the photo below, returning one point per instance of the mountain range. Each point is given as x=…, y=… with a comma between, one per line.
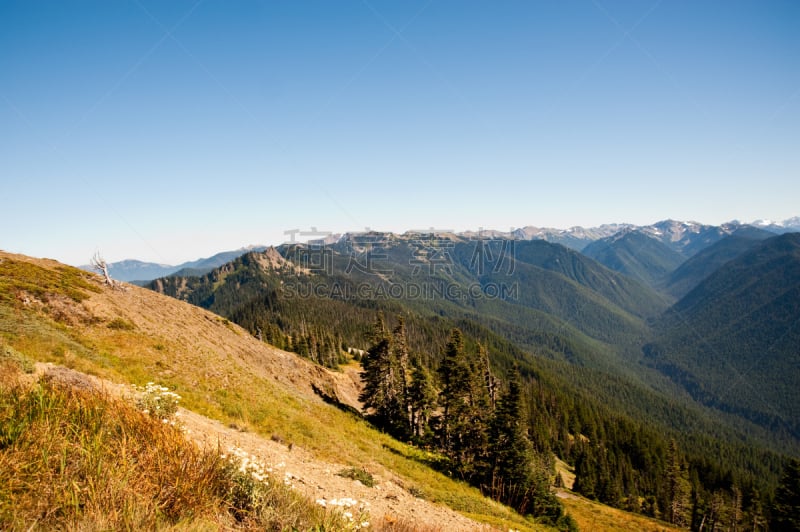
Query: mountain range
x=635, y=303
x=684, y=237
x=132, y=270
x=652, y=351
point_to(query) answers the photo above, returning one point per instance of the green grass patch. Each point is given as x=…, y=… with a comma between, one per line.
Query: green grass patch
x=17, y=277
x=358, y=473
x=10, y=355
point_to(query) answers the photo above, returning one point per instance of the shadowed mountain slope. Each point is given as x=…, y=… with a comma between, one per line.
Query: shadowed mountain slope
x=689, y=274
x=732, y=341
x=636, y=255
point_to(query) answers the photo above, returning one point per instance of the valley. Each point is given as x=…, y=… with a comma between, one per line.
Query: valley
x=639, y=364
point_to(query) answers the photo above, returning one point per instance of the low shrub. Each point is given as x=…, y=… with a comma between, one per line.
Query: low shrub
x=157, y=401
x=359, y=474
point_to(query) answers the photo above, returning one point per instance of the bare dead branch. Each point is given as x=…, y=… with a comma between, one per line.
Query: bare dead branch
x=99, y=264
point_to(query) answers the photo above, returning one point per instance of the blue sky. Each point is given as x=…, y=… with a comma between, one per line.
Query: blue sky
x=171, y=130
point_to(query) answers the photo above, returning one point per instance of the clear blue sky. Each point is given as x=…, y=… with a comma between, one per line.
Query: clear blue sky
x=171, y=130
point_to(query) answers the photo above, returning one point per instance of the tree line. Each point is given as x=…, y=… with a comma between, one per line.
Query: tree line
x=615, y=434
x=476, y=421
x=498, y=435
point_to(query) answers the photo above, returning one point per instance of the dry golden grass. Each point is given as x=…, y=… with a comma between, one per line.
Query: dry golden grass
x=567, y=473
x=595, y=517
x=76, y=459
x=136, y=336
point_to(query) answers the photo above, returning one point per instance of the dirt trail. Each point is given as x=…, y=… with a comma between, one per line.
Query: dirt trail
x=171, y=335
x=386, y=502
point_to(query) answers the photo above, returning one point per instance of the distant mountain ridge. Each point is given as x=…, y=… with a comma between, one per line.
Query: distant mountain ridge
x=636, y=254
x=790, y=225
x=686, y=238
x=132, y=270
x=704, y=263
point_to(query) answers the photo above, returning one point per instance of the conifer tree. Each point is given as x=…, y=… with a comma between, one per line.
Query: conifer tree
x=586, y=472
x=786, y=508
x=511, y=480
x=678, y=488
x=403, y=424
x=421, y=399
x=382, y=403
x=465, y=411
x=454, y=375
x=489, y=380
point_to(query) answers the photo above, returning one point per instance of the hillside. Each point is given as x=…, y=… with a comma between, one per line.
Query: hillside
x=52, y=313
x=58, y=314
x=575, y=384
x=636, y=255
x=689, y=274
x=732, y=341
x=266, y=402
x=534, y=286
x=138, y=271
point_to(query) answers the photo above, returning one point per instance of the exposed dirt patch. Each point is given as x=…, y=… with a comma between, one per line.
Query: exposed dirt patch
x=127, y=324
x=387, y=501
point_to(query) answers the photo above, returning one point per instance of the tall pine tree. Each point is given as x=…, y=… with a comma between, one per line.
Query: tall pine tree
x=465, y=410
x=679, y=490
x=511, y=477
x=402, y=426
x=421, y=400
x=381, y=395
x=786, y=508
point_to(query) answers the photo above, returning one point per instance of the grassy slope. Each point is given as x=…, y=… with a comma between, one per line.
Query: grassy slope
x=593, y=517
x=58, y=314
x=72, y=457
